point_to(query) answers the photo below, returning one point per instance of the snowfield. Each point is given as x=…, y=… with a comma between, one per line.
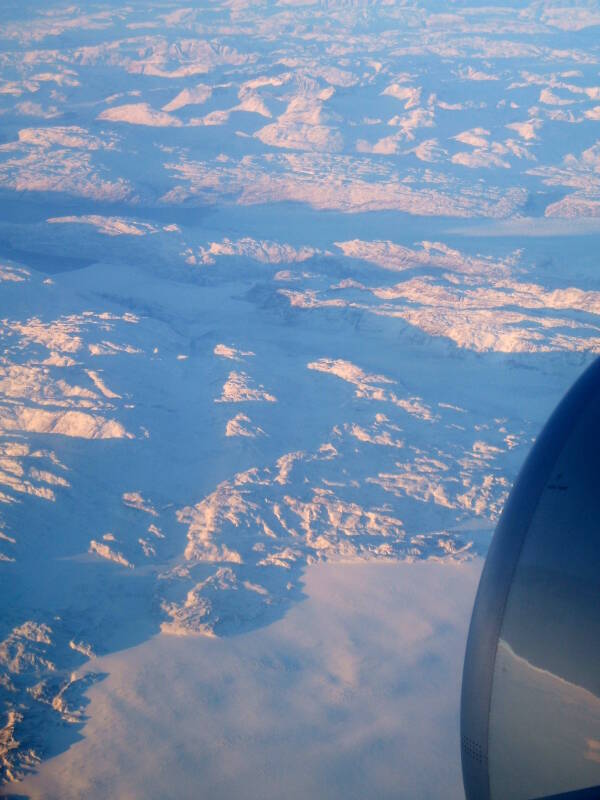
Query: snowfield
x=285, y=287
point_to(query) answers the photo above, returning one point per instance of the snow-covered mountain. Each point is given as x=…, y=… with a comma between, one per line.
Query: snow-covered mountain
x=280, y=283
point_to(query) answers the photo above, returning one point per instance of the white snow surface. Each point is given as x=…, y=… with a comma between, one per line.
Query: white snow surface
x=280, y=284
x=351, y=668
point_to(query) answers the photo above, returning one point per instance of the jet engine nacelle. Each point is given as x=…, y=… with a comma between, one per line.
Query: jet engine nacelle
x=530, y=709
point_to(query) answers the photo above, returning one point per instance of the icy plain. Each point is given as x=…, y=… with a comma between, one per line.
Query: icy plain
x=281, y=284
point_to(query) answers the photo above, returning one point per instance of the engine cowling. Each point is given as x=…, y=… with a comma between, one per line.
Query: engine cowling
x=530, y=707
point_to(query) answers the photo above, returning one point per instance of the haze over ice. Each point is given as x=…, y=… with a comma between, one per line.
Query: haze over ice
x=287, y=290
